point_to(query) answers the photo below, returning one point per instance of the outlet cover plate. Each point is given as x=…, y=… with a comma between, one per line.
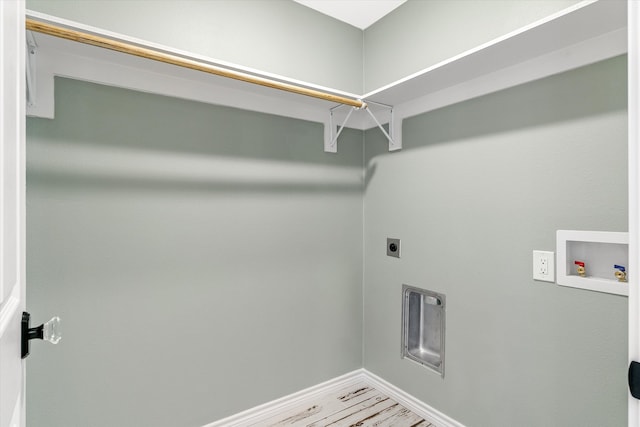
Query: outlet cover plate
x=393, y=247
x=544, y=266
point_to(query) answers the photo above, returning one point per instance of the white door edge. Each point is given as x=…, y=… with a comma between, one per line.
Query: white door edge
x=634, y=196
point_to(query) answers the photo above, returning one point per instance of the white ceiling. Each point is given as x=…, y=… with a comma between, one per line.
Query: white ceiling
x=359, y=13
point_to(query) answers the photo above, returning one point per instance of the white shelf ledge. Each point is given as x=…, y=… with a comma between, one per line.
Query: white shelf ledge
x=585, y=33
x=569, y=28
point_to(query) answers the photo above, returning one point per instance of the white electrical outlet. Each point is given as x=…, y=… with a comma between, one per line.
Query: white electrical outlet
x=543, y=266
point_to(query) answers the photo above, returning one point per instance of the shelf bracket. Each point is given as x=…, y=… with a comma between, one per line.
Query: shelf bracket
x=331, y=137
x=30, y=68
x=333, y=133
x=393, y=135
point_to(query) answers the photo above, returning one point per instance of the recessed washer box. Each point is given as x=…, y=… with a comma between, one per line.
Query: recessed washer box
x=423, y=324
x=600, y=251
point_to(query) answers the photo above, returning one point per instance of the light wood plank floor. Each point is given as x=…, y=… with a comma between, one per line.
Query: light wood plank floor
x=358, y=405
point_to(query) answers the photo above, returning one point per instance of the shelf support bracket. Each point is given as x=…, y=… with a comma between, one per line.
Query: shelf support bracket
x=393, y=135
x=332, y=132
x=331, y=137
x=395, y=143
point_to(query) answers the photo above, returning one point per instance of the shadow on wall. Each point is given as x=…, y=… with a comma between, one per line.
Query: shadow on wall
x=76, y=167
x=132, y=140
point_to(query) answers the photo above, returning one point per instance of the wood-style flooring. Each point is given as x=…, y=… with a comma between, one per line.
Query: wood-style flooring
x=358, y=405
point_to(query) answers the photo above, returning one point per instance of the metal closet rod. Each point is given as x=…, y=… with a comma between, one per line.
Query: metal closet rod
x=106, y=43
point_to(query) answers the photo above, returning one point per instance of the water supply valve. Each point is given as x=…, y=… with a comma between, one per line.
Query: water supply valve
x=581, y=270
x=621, y=273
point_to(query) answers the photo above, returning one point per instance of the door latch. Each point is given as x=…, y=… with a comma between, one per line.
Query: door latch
x=49, y=331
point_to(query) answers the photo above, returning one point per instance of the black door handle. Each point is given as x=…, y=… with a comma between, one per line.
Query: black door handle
x=49, y=331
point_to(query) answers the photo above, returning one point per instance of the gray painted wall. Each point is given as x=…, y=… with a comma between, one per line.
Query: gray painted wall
x=277, y=36
x=421, y=33
x=204, y=260
x=476, y=188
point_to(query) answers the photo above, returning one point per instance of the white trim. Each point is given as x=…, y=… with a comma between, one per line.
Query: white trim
x=634, y=199
x=9, y=308
x=17, y=417
x=263, y=412
x=269, y=409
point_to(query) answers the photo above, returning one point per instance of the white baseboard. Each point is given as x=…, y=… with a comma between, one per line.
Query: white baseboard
x=260, y=413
